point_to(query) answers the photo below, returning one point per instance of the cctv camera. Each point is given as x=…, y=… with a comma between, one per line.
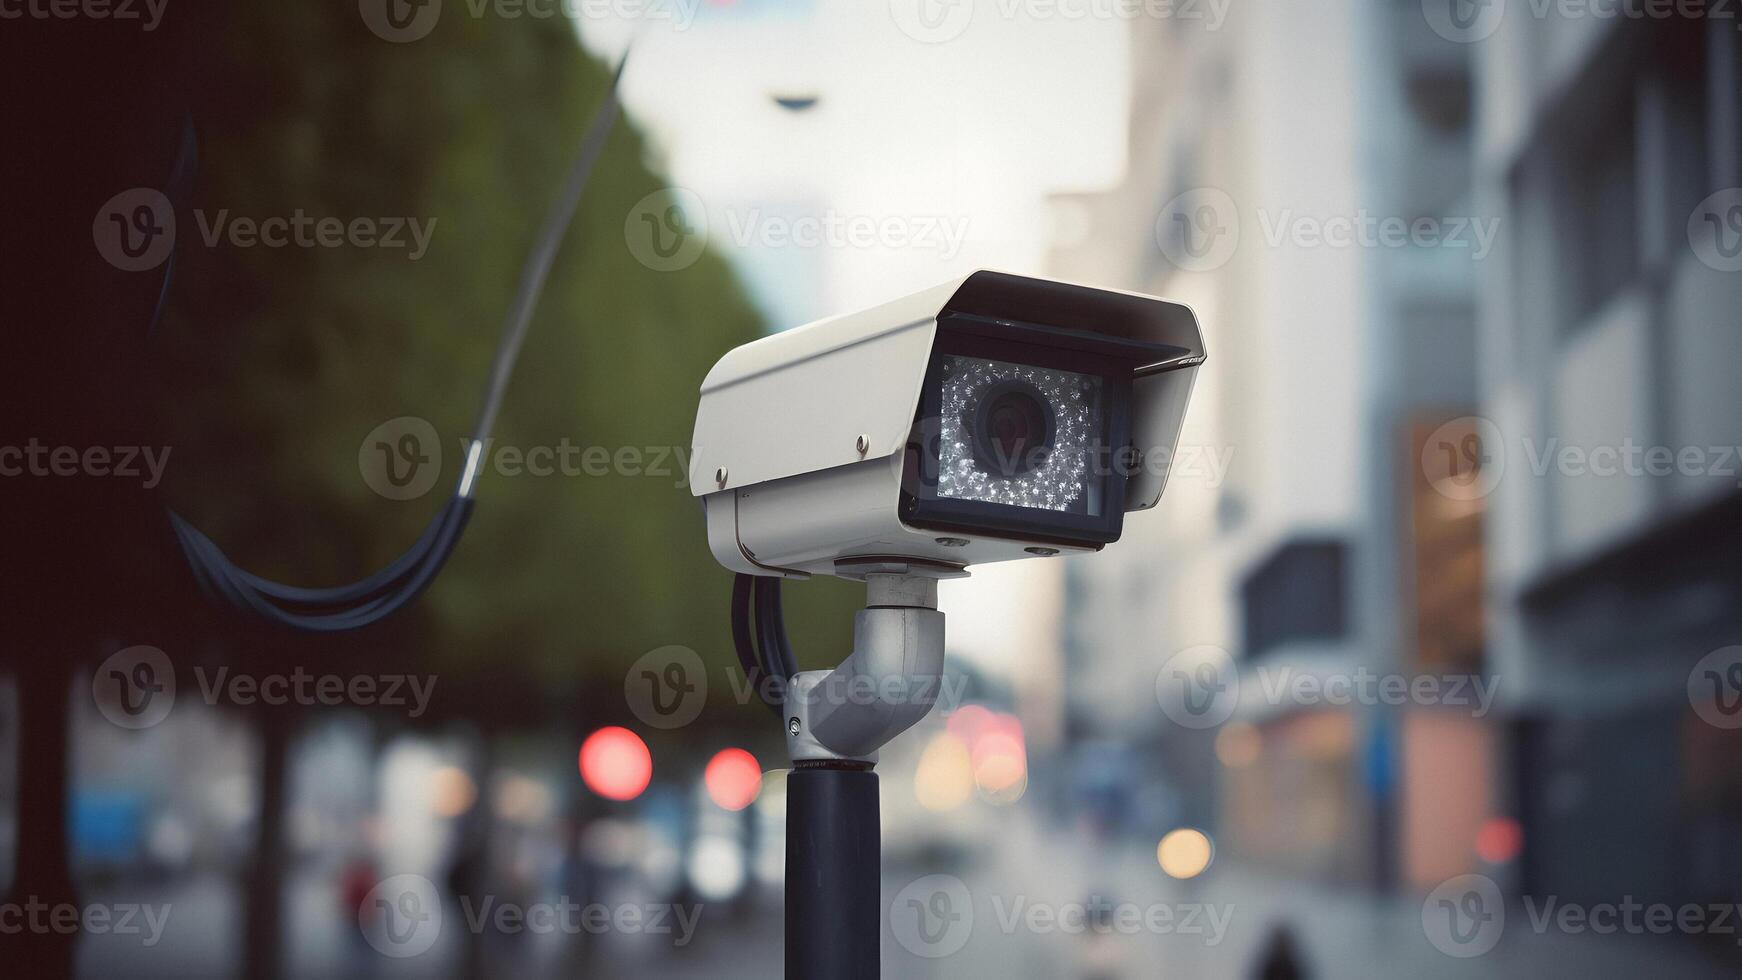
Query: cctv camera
x=991, y=418
x=986, y=419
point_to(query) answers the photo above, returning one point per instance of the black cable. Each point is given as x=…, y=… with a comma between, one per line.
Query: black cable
x=543, y=254
x=771, y=625
x=744, y=642
x=382, y=581
x=221, y=576
x=361, y=603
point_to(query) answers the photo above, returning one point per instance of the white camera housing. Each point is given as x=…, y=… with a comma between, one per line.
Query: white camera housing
x=990, y=418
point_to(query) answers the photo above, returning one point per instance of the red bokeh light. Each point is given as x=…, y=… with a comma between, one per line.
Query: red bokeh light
x=1499, y=840
x=968, y=721
x=733, y=778
x=615, y=764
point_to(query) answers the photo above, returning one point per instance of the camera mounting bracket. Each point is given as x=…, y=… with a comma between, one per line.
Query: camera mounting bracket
x=888, y=683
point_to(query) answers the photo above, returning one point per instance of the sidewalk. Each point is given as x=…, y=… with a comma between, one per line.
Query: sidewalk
x=1341, y=932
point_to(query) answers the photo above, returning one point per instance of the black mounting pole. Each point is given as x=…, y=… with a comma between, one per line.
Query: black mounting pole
x=833, y=872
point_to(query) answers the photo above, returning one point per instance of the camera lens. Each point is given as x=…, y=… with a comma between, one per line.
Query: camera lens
x=1013, y=428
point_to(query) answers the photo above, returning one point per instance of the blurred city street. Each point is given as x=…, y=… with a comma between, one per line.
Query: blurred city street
x=1340, y=932
x=1259, y=484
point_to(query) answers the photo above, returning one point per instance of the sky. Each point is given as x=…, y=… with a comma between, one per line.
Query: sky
x=937, y=134
x=951, y=147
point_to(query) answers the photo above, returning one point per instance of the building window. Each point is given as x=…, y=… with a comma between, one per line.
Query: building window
x=1679, y=73
x=1642, y=108
x=1298, y=595
x=1599, y=219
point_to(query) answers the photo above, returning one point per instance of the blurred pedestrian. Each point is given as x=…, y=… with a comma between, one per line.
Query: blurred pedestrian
x=356, y=880
x=1101, y=955
x=1281, y=957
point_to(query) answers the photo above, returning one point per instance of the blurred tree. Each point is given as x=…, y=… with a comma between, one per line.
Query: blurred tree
x=270, y=365
x=284, y=359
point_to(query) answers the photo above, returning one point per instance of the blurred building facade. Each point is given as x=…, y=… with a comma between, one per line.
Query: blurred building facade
x=1360, y=491
x=1609, y=326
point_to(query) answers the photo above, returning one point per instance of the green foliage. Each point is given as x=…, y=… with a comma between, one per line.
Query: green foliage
x=281, y=360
